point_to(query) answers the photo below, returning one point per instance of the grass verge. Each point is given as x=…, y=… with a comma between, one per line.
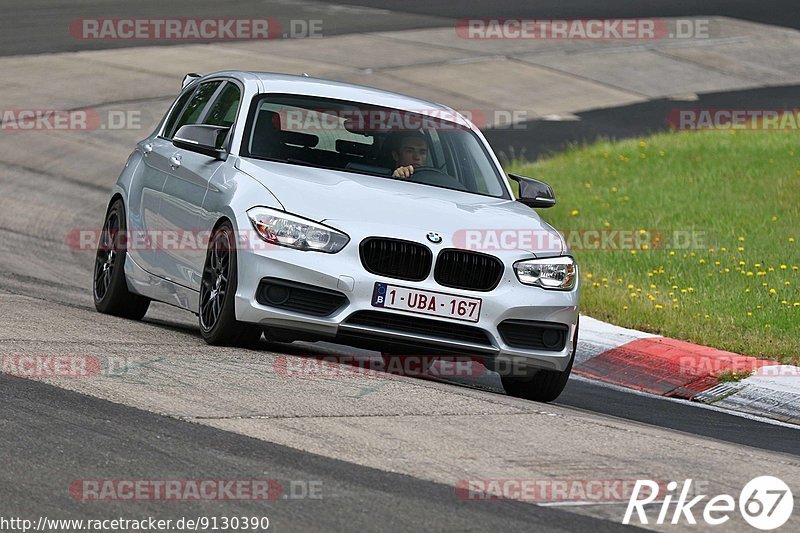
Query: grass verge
x=707, y=228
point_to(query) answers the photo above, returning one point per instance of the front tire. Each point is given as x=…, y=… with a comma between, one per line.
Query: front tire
x=544, y=386
x=218, y=324
x=109, y=286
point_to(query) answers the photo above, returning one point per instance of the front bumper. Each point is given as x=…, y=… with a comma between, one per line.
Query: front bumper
x=343, y=272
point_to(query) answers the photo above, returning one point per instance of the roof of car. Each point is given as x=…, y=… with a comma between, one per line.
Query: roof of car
x=290, y=84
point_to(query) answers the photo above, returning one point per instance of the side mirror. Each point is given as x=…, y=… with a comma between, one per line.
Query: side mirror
x=203, y=139
x=534, y=193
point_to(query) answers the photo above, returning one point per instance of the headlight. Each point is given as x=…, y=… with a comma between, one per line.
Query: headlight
x=277, y=227
x=552, y=273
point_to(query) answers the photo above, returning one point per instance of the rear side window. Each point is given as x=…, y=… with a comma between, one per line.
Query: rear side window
x=223, y=110
x=191, y=115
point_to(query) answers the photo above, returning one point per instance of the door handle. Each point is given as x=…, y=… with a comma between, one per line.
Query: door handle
x=175, y=161
x=147, y=149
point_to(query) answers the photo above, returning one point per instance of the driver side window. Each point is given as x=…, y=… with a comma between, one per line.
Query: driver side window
x=198, y=102
x=223, y=111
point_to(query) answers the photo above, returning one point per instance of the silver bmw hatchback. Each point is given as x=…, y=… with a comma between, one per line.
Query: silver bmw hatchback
x=308, y=209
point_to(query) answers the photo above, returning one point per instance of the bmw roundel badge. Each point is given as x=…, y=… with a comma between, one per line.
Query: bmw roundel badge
x=434, y=237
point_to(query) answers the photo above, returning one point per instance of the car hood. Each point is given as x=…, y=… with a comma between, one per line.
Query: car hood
x=388, y=207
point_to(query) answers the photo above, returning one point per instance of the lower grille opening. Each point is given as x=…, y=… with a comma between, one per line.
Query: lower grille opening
x=299, y=297
x=532, y=335
x=419, y=326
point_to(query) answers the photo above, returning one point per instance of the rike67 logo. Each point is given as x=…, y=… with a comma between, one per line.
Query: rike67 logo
x=765, y=503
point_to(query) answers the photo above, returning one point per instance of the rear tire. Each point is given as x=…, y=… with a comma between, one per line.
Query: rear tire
x=218, y=324
x=109, y=286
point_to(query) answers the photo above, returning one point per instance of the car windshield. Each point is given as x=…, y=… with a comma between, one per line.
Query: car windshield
x=364, y=139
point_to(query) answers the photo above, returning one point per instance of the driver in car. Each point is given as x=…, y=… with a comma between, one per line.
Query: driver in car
x=410, y=150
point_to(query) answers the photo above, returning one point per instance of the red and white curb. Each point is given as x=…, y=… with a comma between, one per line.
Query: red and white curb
x=678, y=369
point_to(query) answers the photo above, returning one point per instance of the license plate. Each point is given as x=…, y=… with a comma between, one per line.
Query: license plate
x=426, y=302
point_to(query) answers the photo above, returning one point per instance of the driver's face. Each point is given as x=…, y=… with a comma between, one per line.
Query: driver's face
x=412, y=151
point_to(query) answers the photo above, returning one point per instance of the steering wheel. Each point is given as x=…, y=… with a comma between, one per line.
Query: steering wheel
x=435, y=176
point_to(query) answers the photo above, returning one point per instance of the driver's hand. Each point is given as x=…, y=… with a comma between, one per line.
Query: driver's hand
x=403, y=172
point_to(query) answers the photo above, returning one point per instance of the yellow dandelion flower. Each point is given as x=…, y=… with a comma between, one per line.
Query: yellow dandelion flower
x=630, y=286
x=783, y=267
x=749, y=313
x=772, y=291
x=791, y=239
x=741, y=249
x=659, y=306
x=624, y=307
x=672, y=252
x=741, y=239
x=642, y=144
x=574, y=212
x=723, y=249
